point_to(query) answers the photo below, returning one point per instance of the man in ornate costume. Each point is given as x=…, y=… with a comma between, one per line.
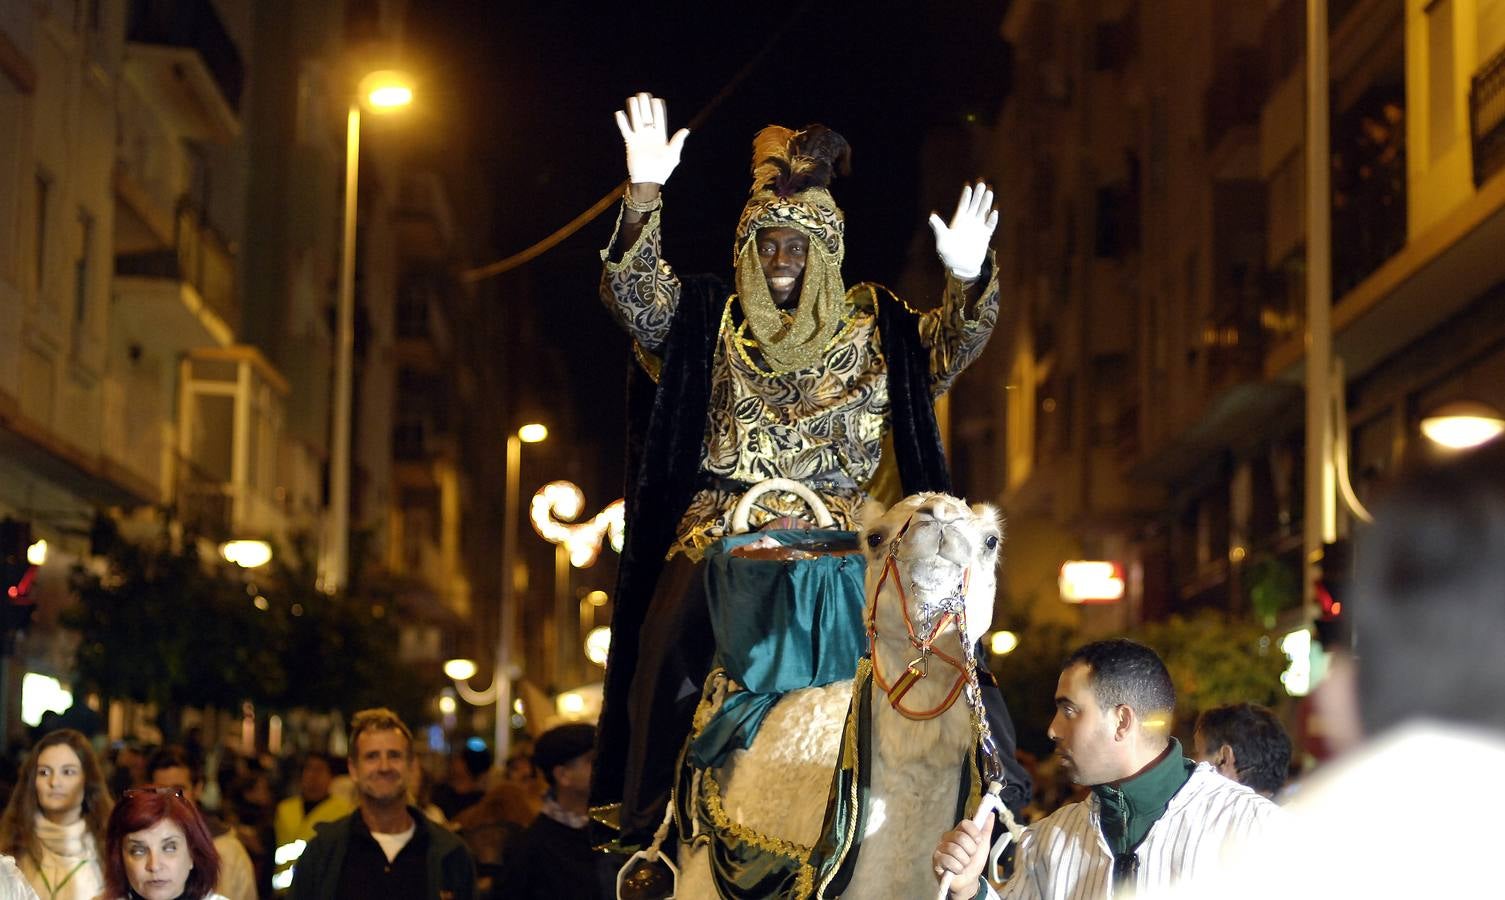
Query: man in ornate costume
x=786, y=373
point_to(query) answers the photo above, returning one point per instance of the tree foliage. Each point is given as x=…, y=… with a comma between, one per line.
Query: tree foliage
x=1212, y=662
x=160, y=624
x=1215, y=661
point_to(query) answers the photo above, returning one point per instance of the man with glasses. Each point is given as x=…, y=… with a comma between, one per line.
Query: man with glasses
x=1153, y=815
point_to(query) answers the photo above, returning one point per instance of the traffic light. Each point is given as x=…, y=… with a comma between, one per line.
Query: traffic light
x=17, y=572
x=1335, y=616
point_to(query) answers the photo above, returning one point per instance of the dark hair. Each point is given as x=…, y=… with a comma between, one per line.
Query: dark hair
x=1261, y=747
x=1429, y=610
x=318, y=756
x=17, y=825
x=140, y=809
x=174, y=757
x=1126, y=673
x=476, y=761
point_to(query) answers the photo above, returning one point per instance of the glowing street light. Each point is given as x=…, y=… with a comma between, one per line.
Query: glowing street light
x=382, y=92
x=532, y=433
x=246, y=554
x=460, y=669
x=386, y=90
x=1002, y=643
x=1462, y=424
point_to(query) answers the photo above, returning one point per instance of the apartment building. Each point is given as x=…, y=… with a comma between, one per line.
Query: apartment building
x=1146, y=406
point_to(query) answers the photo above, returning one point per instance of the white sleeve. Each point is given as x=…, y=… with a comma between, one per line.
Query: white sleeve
x=13, y=885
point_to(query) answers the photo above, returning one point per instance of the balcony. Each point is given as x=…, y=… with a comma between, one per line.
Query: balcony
x=423, y=336
x=1369, y=185
x=179, y=53
x=185, y=293
x=231, y=411
x=425, y=223
x=1486, y=117
x=1232, y=103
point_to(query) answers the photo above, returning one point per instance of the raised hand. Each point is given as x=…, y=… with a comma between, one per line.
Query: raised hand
x=651, y=155
x=963, y=245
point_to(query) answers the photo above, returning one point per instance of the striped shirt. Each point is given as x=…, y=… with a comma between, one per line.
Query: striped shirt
x=1065, y=856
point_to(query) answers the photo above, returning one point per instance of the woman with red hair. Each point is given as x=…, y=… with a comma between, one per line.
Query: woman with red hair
x=158, y=847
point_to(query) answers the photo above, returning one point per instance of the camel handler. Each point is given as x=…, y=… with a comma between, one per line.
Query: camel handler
x=782, y=372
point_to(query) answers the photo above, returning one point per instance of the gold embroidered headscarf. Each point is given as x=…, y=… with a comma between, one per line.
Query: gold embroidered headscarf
x=791, y=173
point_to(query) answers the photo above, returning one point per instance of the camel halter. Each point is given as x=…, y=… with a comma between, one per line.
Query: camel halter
x=954, y=607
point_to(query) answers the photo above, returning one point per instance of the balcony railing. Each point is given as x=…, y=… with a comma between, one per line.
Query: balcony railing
x=1486, y=117
x=205, y=503
x=1235, y=96
x=192, y=25
x=1369, y=185
x=199, y=256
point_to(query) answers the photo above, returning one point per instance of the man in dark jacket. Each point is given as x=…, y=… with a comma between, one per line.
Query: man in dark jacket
x=553, y=857
x=386, y=848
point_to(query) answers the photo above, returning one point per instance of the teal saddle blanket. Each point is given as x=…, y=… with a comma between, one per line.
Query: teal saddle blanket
x=780, y=625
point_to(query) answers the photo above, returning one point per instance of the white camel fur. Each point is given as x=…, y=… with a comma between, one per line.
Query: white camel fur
x=779, y=785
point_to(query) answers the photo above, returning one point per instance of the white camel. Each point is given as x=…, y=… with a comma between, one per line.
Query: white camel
x=927, y=554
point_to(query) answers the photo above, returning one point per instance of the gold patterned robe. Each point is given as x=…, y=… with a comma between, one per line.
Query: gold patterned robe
x=823, y=426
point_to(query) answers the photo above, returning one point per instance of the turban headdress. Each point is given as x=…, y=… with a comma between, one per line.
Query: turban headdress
x=792, y=173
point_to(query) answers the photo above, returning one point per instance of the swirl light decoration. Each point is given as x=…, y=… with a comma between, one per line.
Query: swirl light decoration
x=553, y=512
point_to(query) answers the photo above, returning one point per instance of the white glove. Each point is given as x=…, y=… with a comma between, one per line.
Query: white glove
x=963, y=245
x=650, y=157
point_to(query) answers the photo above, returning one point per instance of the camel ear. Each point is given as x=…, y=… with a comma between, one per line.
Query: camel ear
x=987, y=512
x=871, y=514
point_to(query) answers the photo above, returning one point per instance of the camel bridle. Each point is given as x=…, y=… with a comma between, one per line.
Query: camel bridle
x=952, y=608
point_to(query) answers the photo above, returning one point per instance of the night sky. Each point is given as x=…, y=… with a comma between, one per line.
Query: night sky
x=528, y=91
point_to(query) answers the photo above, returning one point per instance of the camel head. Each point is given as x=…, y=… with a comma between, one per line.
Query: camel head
x=928, y=555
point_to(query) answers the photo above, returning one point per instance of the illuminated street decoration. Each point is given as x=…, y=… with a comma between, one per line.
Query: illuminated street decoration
x=1297, y=677
x=1091, y=581
x=553, y=512
x=598, y=645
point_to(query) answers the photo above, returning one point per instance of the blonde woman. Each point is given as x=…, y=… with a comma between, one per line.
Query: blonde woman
x=55, y=822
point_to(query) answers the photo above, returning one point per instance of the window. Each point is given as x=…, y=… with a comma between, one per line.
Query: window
x=44, y=198
x=81, y=270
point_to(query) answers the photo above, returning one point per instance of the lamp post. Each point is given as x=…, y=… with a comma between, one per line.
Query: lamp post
x=383, y=91
x=1320, y=515
x=531, y=433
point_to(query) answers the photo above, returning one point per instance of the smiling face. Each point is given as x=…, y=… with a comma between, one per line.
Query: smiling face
x=157, y=861
x=782, y=252
x=60, y=783
x=380, y=766
x=1085, y=733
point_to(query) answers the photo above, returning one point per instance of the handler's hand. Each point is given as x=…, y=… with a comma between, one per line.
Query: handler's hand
x=651, y=157
x=963, y=245
x=963, y=851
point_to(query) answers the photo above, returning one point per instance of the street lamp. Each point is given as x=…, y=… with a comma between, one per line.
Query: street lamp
x=246, y=554
x=530, y=433
x=382, y=92
x=1462, y=424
